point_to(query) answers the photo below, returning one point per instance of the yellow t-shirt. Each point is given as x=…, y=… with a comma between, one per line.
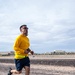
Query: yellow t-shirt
x=20, y=45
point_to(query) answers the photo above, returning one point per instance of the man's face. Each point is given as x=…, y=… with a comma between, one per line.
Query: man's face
x=24, y=30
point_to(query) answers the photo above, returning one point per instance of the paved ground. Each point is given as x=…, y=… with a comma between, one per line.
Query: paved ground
x=41, y=69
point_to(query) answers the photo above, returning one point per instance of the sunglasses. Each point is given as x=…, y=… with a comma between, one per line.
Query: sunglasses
x=25, y=28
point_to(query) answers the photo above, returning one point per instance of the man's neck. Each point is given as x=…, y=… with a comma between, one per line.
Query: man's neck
x=23, y=34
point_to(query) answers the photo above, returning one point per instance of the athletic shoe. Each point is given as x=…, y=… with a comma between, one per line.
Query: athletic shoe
x=9, y=73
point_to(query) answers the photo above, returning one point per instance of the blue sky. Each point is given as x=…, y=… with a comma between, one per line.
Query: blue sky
x=51, y=24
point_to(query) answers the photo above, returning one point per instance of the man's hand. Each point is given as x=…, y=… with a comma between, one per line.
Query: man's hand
x=32, y=52
x=28, y=50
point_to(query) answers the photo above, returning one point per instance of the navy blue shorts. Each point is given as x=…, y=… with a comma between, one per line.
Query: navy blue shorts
x=21, y=63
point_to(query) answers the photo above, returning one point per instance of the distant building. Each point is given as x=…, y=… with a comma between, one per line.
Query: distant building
x=4, y=54
x=58, y=52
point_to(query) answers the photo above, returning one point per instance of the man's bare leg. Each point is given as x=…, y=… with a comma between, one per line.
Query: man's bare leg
x=27, y=70
x=15, y=71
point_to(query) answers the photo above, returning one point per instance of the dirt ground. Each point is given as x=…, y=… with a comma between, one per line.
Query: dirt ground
x=40, y=69
x=43, y=57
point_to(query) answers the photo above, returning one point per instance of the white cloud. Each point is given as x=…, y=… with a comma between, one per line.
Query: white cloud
x=51, y=23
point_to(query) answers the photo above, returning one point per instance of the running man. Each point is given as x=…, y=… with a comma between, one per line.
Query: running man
x=21, y=48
